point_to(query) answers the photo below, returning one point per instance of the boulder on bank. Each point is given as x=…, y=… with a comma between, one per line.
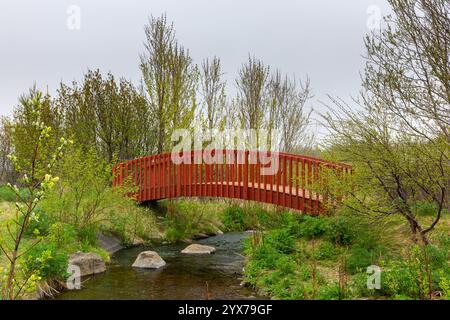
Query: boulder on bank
x=198, y=249
x=138, y=242
x=109, y=243
x=149, y=260
x=89, y=263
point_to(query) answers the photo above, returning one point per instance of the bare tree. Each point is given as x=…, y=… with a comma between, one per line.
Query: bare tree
x=287, y=99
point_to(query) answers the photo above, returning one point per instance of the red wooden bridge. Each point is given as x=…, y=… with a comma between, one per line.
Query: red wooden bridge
x=289, y=180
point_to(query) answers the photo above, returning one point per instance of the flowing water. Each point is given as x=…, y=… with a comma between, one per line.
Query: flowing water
x=215, y=276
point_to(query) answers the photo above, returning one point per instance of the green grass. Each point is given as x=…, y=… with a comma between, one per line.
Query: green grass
x=306, y=257
x=7, y=195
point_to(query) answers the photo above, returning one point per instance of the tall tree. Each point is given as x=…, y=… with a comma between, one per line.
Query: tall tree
x=213, y=93
x=170, y=78
x=397, y=138
x=252, y=95
x=287, y=99
x=105, y=114
x=25, y=131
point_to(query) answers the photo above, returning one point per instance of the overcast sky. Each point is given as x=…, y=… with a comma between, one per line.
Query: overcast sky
x=319, y=38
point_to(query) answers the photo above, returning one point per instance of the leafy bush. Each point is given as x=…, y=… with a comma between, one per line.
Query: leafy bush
x=187, y=218
x=39, y=225
x=84, y=198
x=47, y=261
x=63, y=236
x=285, y=265
x=398, y=280
x=305, y=272
x=281, y=240
x=266, y=256
x=340, y=230
x=88, y=235
x=312, y=227
x=358, y=286
x=409, y=277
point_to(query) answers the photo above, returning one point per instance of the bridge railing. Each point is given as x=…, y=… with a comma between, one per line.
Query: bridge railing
x=288, y=180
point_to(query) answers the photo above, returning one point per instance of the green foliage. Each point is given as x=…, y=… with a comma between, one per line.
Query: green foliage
x=425, y=208
x=264, y=255
x=39, y=226
x=444, y=284
x=84, y=199
x=281, y=240
x=47, y=260
x=87, y=235
x=340, y=230
x=422, y=272
x=358, y=286
x=330, y=292
x=8, y=195
x=359, y=259
x=187, y=218
x=36, y=153
x=326, y=251
x=233, y=218
x=63, y=236
x=312, y=227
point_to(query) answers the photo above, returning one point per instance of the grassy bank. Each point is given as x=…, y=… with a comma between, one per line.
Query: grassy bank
x=327, y=258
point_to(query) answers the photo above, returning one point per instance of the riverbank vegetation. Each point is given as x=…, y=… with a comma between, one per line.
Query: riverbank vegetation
x=390, y=216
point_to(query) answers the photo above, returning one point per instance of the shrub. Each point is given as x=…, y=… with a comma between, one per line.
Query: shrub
x=399, y=281
x=63, y=236
x=85, y=199
x=409, y=276
x=291, y=222
x=39, y=225
x=280, y=239
x=47, y=261
x=285, y=265
x=88, y=235
x=444, y=284
x=312, y=227
x=304, y=272
x=340, y=230
x=266, y=256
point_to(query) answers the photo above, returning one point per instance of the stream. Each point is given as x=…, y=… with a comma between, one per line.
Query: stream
x=215, y=276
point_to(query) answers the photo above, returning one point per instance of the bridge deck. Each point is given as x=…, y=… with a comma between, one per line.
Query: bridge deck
x=294, y=185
